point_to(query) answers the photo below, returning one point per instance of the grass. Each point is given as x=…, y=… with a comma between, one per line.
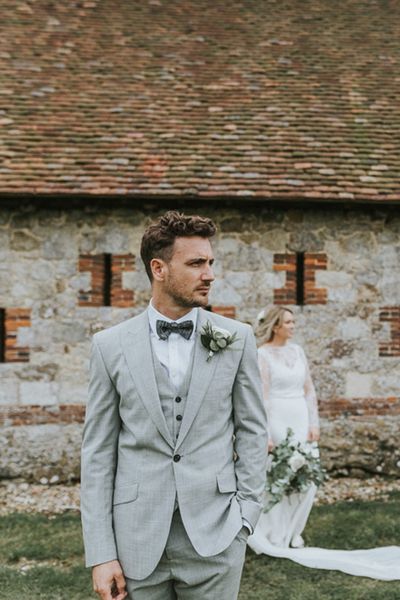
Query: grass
x=38, y=537
x=41, y=557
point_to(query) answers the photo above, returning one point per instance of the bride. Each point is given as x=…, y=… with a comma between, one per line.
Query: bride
x=291, y=403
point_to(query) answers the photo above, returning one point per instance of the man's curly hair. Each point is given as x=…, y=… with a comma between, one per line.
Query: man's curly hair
x=158, y=239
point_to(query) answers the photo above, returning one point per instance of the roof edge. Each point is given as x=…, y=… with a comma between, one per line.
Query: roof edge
x=146, y=201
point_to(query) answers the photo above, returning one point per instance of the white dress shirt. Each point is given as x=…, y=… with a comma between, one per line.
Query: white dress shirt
x=175, y=353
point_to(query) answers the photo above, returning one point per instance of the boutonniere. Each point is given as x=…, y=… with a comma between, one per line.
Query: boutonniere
x=215, y=339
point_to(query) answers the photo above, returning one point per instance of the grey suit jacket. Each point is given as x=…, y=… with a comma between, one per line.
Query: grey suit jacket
x=133, y=471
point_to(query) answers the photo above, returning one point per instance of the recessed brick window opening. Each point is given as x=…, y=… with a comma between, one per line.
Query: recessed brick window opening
x=106, y=287
x=2, y=334
x=300, y=278
x=300, y=286
x=391, y=315
x=11, y=319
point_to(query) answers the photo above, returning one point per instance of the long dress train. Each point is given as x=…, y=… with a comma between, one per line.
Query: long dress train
x=291, y=402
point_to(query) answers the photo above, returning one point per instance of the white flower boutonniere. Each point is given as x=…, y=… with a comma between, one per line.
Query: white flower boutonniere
x=215, y=339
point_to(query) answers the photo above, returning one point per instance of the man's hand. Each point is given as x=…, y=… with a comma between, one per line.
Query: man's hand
x=270, y=445
x=109, y=581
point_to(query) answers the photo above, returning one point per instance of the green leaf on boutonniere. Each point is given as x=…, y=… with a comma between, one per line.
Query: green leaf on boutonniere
x=215, y=339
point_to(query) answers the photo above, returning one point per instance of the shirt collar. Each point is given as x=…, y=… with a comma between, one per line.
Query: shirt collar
x=154, y=315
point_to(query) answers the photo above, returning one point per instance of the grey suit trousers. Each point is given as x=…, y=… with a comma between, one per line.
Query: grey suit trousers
x=182, y=574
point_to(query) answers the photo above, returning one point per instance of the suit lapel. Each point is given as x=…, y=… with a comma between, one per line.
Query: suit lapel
x=202, y=373
x=136, y=346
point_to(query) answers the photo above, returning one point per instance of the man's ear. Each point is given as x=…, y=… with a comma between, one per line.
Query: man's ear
x=158, y=268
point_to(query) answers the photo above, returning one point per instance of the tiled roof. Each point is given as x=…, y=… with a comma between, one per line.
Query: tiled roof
x=275, y=99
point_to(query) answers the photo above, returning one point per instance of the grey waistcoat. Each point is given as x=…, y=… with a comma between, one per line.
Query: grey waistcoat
x=173, y=402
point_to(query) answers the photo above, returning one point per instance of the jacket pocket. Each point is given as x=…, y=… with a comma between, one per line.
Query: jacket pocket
x=125, y=494
x=226, y=482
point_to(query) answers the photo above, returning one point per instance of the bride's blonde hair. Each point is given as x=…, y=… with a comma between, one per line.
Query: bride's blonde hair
x=267, y=319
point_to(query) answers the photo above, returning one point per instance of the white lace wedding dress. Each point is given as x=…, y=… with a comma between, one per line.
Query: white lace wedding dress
x=291, y=402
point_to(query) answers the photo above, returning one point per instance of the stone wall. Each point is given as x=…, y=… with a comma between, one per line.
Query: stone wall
x=65, y=274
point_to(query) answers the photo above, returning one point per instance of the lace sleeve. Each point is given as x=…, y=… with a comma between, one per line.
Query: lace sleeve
x=310, y=395
x=265, y=379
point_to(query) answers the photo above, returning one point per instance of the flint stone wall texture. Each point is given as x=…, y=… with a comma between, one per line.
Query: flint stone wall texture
x=42, y=400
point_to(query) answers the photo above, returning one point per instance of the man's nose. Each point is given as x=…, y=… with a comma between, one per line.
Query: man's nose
x=208, y=274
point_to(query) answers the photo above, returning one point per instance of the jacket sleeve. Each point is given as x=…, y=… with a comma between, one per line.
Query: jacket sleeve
x=98, y=462
x=251, y=437
x=266, y=383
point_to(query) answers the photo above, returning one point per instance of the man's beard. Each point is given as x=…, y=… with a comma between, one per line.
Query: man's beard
x=185, y=301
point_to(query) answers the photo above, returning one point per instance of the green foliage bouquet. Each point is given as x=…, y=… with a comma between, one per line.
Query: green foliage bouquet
x=292, y=468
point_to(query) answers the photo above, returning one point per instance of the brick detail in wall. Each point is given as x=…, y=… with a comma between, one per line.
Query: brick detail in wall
x=225, y=311
x=312, y=263
x=120, y=264
x=391, y=314
x=14, y=416
x=359, y=407
x=95, y=265
x=303, y=278
x=106, y=280
x=286, y=263
x=14, y=318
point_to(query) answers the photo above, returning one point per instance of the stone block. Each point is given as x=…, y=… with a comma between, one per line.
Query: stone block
x=358, y=385
x=387, y=383
x=23, y=240
x=273, y=240
x=33, y=452
x=353, y=328
x=223, y=293
x=334, y=279
x=240, y=280
x=246, y=258
x=83, y=282
x=389, y=287
x=9, y=392
x=38, y=393
x=70, y=393
x=137, y=281
x=224, y=246
x=128, y=280
x=112, y=239
x=24, y=336
x=60, y=244
x=69, y=333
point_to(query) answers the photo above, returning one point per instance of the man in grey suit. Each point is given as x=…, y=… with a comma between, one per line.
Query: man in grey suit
x=175, y=438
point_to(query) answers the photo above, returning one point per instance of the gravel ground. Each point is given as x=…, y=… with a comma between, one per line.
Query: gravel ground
x=349, y=489
x=18, y=496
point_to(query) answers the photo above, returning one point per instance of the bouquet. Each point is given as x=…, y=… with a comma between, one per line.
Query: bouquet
x=292, y=467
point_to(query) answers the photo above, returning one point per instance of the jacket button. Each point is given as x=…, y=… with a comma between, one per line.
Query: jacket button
x=179, y=417
x=177, y=457
x=178, y=399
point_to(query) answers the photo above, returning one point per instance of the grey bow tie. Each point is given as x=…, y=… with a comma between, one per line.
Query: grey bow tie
x=164, y=329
